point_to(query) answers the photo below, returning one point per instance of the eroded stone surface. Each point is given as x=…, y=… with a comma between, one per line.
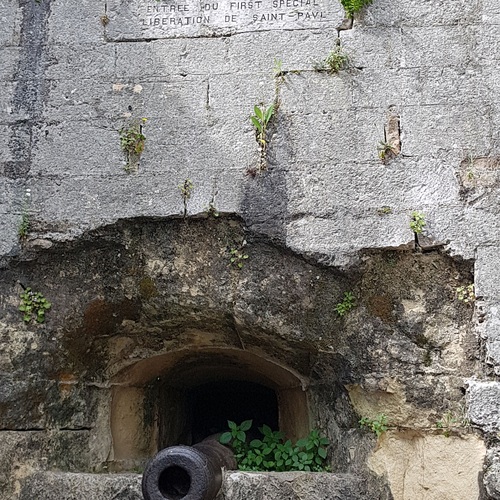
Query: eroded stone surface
x=430, y=467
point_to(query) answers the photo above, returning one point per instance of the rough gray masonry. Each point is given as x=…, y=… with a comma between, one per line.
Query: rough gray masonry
x=140, y=278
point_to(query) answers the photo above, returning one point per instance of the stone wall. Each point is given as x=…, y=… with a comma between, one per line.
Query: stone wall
x=134, y=250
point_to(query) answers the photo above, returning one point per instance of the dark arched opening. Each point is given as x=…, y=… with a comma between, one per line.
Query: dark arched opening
x=185, y=396
x=211, y=405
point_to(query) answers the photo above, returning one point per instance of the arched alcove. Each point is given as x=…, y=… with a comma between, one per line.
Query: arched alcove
x=212, y=404
x=183, y=396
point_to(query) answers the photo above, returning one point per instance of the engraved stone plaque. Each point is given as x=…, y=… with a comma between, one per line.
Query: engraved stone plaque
x=153, y=19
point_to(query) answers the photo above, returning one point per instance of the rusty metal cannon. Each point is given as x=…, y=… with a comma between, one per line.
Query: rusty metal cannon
x=187, y=472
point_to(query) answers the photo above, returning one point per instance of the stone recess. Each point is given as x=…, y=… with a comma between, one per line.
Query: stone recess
x=139, y=276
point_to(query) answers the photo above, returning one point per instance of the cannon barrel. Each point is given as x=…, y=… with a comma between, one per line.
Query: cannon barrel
x=187, y=472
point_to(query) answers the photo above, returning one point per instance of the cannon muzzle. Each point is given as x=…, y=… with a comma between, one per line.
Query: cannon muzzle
x=187, y=472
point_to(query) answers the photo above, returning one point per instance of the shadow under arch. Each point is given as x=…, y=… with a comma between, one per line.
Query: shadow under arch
x=153, y=400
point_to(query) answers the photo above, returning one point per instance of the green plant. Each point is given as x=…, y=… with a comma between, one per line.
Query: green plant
x=385, y=152
x=466, y=293
x=273, y=452
x=260, y=120
x=450, y=422
x=385, y=210
x=348, y=302
x=24, y=225
x=337, y=60
x=470, y=166
x=186, y=189
x=237, y=257
x=33, y=306
x=417, y=222
x=378, y=425
x=237, y=437
x=278, y=68
x=132, y=142
x=212, y=210
x=352, y=7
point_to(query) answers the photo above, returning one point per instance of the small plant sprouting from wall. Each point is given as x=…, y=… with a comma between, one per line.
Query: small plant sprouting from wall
x=378, y=425
x=273, y=452
x=337, y=60
x=260, y=120
x=466, y=293
x=386, y=152
x=24, y=226
x=348, y=303
x=352, y=7
x=237, y=257
x=451, y=422
x=132, y=141
x=278, y=72
x=33, y=306
x=417, y=222
x=262, y=117
x=212, y=209
x=385, y=210
x=390, y=147
x=186, y=189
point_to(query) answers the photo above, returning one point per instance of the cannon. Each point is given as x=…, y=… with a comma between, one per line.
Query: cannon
x=187, y=472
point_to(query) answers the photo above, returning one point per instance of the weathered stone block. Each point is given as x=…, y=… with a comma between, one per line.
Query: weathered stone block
x=430, y=466
x=71, y=23
x=348, y=228
x=318, y=189
x=491, y=476
x=9, y=59
x=416, y=13
x=95, y=60
x=430, y=130
x=368, y=48
x=60, y=486
x=484, y=404
x=10, y=17
x=487, y=273
x=491, y=13
x=315, y=93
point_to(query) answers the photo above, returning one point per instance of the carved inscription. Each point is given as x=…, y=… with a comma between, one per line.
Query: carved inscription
x=225, y=12
x=174, y=18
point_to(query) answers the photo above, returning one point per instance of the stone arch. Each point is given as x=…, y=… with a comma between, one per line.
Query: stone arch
x=150, y=398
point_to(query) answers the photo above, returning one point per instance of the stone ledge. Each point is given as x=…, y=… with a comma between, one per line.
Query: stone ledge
x=237, y=485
